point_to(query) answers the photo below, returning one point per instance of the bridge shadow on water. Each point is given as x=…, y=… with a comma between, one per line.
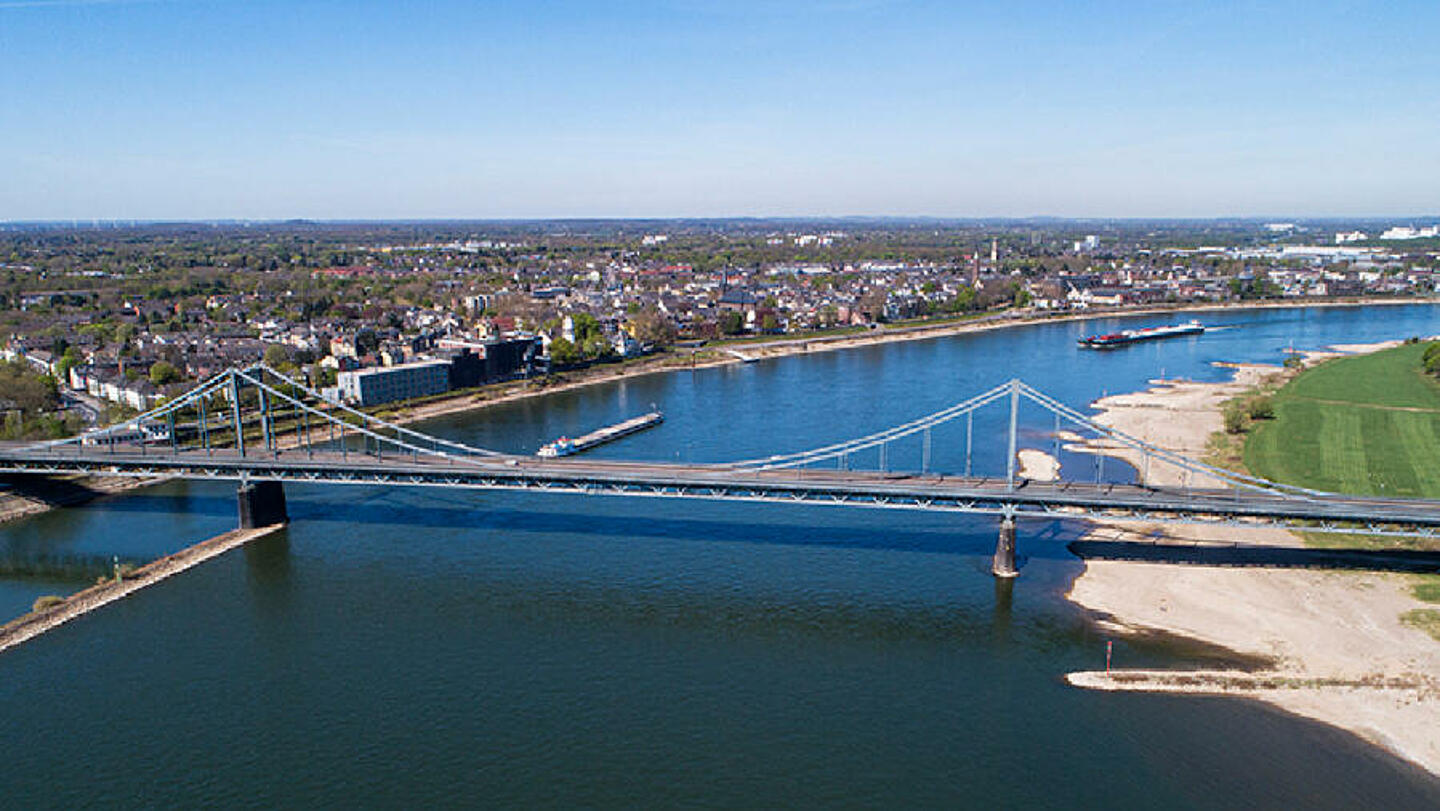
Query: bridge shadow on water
x=971, y=534
x=1275, y=557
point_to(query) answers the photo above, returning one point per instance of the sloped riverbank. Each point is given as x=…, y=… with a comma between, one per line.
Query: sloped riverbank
x=1340, y=650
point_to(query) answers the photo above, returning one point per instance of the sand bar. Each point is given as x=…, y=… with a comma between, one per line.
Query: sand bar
x=1339, y=652
x=22, y=630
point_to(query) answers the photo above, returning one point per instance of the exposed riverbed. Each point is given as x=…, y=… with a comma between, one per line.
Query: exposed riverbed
x=1337, y=648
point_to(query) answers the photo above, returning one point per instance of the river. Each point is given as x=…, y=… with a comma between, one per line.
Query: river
x=403, y=647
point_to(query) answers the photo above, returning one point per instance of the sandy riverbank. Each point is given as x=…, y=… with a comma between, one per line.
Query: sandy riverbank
x=1338, y=649
x=41, y=496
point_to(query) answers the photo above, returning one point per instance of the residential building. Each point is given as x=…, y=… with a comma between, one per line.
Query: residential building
x=368, y=387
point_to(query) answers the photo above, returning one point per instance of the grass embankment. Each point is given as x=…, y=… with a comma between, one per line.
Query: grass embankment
x=1368, y=425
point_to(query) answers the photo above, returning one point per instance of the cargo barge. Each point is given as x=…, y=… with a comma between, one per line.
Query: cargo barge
x=565, y=446
x=1131, y=336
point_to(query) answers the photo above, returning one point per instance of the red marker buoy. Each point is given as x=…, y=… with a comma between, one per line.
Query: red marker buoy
x=1109, y=649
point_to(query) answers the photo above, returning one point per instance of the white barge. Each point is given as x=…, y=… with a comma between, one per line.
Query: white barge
x=565, y=446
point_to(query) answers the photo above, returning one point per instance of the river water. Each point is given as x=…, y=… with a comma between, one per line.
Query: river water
x=400, y=647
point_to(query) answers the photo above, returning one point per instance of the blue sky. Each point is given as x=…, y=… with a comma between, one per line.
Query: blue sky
x=256, y=109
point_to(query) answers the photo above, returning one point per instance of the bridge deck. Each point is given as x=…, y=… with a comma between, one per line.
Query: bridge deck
x=867, y=488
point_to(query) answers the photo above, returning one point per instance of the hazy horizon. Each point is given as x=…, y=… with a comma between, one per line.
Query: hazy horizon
x=1038, y=219
x=178, y=110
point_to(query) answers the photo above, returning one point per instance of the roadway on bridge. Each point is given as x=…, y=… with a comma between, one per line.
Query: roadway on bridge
x=873, y=488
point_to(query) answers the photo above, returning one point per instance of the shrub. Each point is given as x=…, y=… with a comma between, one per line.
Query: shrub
x=1431, y=358
x=1260, y=408
x=47, y=602
x=1234, y=419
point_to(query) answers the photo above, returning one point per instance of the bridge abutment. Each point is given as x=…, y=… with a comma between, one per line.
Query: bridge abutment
x=261, y=504
x=1003, y=564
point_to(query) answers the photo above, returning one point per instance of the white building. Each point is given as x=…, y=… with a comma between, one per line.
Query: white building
x=626, y=346
x=1350, y=236
x=1330, y=252
x=1410, y=232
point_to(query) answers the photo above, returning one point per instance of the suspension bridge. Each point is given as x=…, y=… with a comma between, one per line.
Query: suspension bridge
x=260, y=427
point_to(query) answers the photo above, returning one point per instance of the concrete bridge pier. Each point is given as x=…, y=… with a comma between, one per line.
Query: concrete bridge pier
x=1003, y=565
x=262, y=503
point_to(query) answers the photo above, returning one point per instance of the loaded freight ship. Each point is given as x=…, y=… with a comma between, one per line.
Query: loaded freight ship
x=1131, y=336
x=567, y=447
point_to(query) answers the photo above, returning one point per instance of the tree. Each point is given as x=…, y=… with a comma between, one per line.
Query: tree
x=652, y=327
x=1431, y=358
x=965, y=300
x=731, y=322
x=163, y=372
x=27, y=391
x=585, y=327
x=1234, y=419
x=124, y=334
x=68, y=361
x=1260, y=408
x=596, y=346
x=564, y=352
x=366, y=341
x=1021, y=296
x=276, y=355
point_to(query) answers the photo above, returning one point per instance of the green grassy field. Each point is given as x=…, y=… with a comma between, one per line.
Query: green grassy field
x=1368, y=425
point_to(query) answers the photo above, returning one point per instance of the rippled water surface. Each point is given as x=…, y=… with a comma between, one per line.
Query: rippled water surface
x=412, y=646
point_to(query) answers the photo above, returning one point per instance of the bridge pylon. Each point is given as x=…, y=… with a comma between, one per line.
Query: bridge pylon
x=1003, y=564
x=261, y=503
